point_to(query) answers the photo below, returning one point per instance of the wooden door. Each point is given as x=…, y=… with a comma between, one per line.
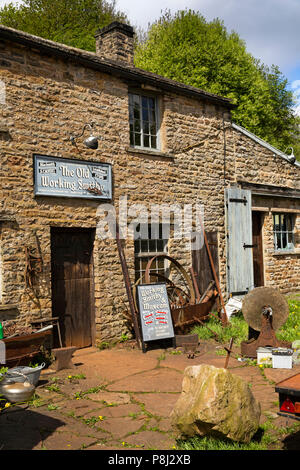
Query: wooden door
x=72, y=284
x=201, y=264
x=240, y=277
x=258, y=262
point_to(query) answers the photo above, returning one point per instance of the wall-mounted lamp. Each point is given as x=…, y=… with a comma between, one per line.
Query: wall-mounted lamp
x=91, y=142
x=292, y=157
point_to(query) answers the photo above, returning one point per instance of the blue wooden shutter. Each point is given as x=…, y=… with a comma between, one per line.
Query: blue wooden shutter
x=240, y=277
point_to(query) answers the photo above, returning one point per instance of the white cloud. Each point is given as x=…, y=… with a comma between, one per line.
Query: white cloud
x=270, y=28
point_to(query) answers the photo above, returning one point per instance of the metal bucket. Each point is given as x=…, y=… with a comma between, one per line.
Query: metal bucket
x=32, y=374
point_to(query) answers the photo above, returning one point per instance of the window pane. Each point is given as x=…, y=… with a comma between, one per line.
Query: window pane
x=283, y=223
x=137, y=126
x=284, y=240
x=149, y=246
x=289, y=223
x=152, y=115
x=145, y=102
x=136, y=113
x=136, y=100
x=152, y=245
x=153, y=130
x=137, y=246
x=144, y=246
x=151, y=103
x=145, y=114
x=137, y=139
x=153, y=142
x=142, y=115
x=160, y=245
x=131, y=138
x=276, y=222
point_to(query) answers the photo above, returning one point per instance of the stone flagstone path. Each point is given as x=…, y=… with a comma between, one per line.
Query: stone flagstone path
x=119, y=398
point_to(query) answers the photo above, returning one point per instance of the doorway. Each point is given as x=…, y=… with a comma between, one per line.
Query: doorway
x=258, y=259
x=73, y=285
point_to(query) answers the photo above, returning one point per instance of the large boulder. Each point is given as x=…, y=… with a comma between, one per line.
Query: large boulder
x=217, y=403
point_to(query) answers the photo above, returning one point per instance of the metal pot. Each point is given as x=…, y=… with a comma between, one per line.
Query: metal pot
x=17, y=392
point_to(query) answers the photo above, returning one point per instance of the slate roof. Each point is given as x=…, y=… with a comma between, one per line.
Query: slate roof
x=117, y=68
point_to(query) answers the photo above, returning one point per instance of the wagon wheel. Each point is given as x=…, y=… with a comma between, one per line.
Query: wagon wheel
x=176, y=295
x=190, y=295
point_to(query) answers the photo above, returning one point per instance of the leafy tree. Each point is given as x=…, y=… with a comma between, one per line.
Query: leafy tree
x=187, y=48
x=71, y=22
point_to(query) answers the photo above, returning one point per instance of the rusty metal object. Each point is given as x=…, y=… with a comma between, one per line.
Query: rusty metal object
x=184, y=317
x=33, y=266
x=20, y=349
x=128, y=287
x=223, y=311
x=184, y=308
x=229, y=351
x=265, y=310
x=193, y=275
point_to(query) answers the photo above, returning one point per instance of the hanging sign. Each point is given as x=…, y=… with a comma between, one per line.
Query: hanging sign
x=155, y=314
x=60, y=177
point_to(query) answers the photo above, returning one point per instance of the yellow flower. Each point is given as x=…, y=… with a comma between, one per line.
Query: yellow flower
x=7, y=405
x=101, y=418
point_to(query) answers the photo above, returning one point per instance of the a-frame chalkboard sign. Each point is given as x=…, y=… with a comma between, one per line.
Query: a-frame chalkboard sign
x=155, y=314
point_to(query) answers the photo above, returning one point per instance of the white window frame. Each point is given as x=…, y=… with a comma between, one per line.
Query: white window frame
x=146, y=248
x=141, y=145
x=282, y=235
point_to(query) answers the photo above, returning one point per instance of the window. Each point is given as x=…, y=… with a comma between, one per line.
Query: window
x=143, y=117
x=145, y=248
x=283, y=231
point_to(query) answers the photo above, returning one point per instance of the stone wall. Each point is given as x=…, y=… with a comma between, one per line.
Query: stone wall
x=256, y=164
x=47, y=101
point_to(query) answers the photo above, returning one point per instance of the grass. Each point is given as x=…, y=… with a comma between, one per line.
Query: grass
x=238, y=328
x=268, y=436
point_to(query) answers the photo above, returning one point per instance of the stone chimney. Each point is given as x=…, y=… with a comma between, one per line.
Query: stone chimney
x=115, y=42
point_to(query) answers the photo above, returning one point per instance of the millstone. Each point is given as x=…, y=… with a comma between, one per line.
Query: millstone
x=260, y=297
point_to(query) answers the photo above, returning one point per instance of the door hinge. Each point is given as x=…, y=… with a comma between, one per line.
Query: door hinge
x=243, y=200
x=249, y=246
x=242, y=292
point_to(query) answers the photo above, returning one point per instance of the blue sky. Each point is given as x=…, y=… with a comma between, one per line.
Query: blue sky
x=270, y=28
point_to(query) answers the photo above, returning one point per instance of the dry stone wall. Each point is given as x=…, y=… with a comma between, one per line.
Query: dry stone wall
x=256, y=164
x=47, y=101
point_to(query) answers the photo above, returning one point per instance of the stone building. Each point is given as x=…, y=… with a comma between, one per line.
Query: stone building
x=160, y=143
